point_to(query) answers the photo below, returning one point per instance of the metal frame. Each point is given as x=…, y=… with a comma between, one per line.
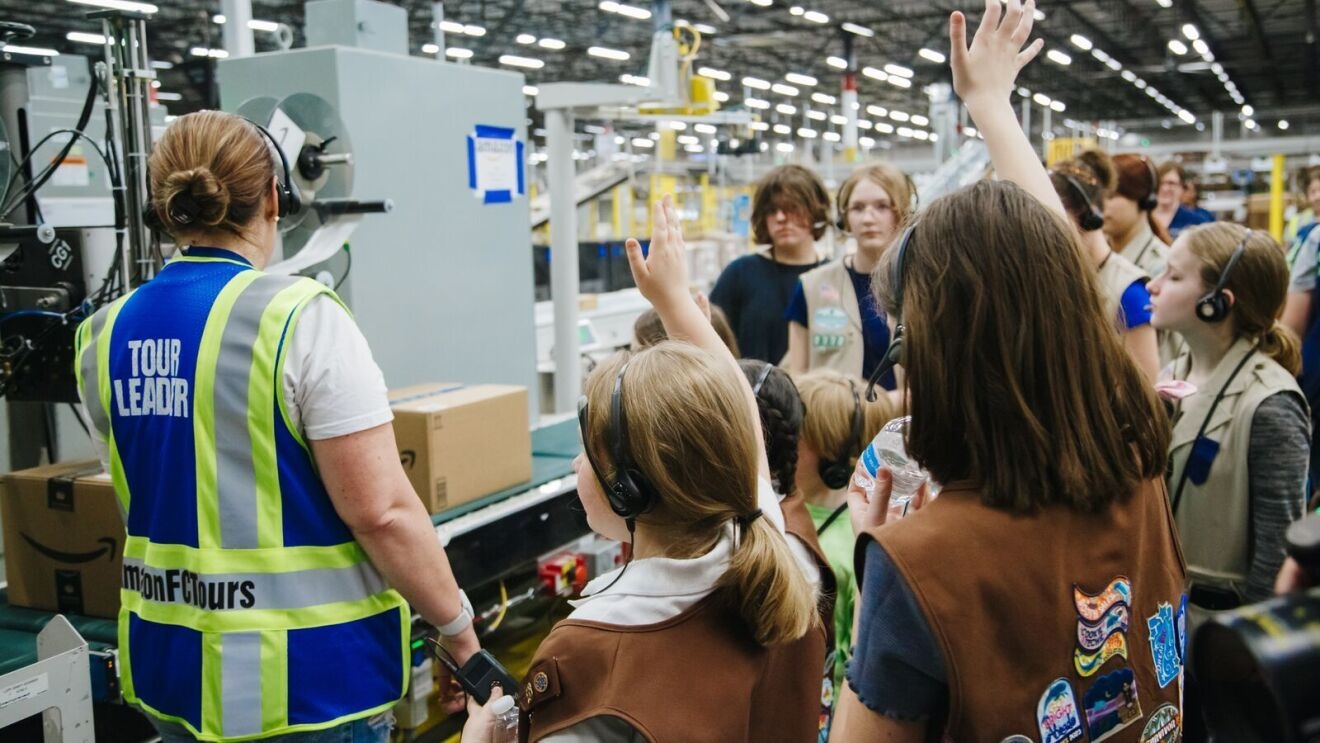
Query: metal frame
x=58, y=685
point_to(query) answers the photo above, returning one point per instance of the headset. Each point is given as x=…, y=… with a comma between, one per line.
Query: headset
x=1213, y=307
x=914, y=201
x=1092, y=218
x=1149, y=203
x=893, y=354
x=760, y=380
x=288, y=199
x=631, y=494
x=835, y=472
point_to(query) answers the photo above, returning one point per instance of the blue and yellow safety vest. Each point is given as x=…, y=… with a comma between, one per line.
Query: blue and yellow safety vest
x=248, y=608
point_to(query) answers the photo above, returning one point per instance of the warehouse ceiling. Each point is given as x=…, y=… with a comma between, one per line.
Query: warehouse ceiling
x=1113, y=58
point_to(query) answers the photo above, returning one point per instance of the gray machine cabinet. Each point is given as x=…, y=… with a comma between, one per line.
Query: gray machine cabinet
x=442, y=286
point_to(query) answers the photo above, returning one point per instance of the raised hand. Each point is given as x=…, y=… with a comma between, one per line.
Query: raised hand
x=988, y=70
x=662, y=276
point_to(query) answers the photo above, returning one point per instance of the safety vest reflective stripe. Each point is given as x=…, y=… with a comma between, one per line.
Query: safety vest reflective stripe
x=237, y=592
x=167, y=556
x=91, y=359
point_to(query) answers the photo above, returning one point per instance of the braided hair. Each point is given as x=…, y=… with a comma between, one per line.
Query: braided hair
x=781, y=421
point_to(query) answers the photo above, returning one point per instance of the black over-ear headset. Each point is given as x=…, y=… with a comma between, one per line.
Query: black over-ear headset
x=630, y=494
x=1091, y=219
x=1213, y=307
x=893, y=354
x=835, y=472
x=288, y=199
x=914, y=201
x=1149, y=203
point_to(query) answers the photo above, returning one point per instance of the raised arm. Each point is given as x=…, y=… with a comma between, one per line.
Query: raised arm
x=984, y=76
x=662, y=277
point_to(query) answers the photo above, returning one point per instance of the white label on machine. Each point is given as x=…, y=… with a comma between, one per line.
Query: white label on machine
x=495, y=164
x=290, y=136
x=73, y=171
x=24, y=690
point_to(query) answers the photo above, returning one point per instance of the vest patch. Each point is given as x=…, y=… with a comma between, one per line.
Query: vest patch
x=1057, y=715
x=820, y=340
x=153, y=387
x=1102, y=624
x=1162, y=727
x=1111, y=704
x=186, y=587
x=1164, y=645
x=830, y=318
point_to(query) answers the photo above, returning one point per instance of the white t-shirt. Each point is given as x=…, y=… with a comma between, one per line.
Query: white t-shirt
x=657, y=588
x=332, y=386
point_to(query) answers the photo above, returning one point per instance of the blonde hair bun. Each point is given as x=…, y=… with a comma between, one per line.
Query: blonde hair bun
x=194, y=197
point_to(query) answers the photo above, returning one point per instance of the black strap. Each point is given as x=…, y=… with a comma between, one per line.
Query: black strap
x=837, y=512
x=1146, y=247
x=1182, y=481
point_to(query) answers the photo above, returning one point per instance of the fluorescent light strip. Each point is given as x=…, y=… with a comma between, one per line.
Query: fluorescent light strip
x=132, y=7
x=457, y=52
x=838, y=63
x=824, y=99
x=931, y=55
x=85, y=38
x=607, y=53
x=513, y=60
x=551, y=44
x=623, y=9
x=756, y=83
x=787, y=90
x=800, y=79
x=899, y=70
x=853, y=28
x=163, y=96
x=714, y=74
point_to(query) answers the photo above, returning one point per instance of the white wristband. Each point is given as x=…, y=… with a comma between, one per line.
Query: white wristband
x=458, y=624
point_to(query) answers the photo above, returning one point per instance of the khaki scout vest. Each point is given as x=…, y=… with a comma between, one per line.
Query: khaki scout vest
x=1045, y=621
x=1213, y=517
x=834, y=320
x=695, y=678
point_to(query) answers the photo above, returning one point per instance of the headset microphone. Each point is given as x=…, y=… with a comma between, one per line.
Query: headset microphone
x=1214, y=306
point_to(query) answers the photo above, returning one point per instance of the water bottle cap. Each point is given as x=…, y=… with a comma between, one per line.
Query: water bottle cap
x=502, y=705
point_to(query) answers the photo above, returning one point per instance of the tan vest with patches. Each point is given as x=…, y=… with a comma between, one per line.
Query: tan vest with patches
x=1116, y=275
x=834, y=320
x=1213, y=517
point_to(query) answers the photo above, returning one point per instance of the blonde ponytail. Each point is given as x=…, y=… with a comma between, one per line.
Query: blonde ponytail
x=766, y=586
x=1281, y=344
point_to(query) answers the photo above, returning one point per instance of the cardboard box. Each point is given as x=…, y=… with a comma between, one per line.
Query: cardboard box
x=64, y=538
x=461, y=442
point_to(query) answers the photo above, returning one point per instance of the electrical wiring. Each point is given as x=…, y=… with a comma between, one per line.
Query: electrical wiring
x=504, y=609
x=49, y=170
x=83, y=117
x=348, y=266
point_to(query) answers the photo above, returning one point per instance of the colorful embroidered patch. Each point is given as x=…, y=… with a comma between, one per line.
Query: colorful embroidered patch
x=1111, y=704
x=1182, y=629
x=1164, y=645
x=1087, y=664
x=829, y=294
x=1163, y=726
x=1093, y=607
x=1091, y=636
x=1102, y=624
x=826, y=340
x=541, y=682
x=1056, y=714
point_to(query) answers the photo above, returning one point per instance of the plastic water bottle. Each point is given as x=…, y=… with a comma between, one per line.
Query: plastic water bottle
x=887, y=450
x=506, y=720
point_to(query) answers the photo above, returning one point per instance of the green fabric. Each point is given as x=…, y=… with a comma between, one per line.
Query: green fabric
x=837, y=544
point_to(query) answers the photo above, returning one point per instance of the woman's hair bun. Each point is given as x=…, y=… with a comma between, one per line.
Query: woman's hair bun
x=1101, y=167
x=194, y=198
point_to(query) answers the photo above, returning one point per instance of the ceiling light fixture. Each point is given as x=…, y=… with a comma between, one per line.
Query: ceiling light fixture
x=756, y=83
x=1058, y=57
x=552, y=44
x=131, y=7
x=607, y=53
x=623, y=9
x=838, y=63
x=513, y=60
x=899, y=70
x=853, y=28
x=824, y=99
x=1081, y=42
x=931, y=55
x=800, y=79
x=714, y=74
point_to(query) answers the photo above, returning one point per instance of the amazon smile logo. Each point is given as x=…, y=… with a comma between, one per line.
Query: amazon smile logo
x=75, y=557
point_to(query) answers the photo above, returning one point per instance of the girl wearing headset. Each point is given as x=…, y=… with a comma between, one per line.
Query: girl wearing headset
x=1241, y=442
x=838, y=424
x=674, y=463
x=781, y=426
x=833, y=321
x=1130, y=222
x=1037, y=597
x=1081, y=184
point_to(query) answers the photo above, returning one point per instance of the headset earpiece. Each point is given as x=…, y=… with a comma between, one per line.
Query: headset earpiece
x=835, y=472
x=1149, y=203
x=1214, y=306
x=287, y=197
x=631, y=494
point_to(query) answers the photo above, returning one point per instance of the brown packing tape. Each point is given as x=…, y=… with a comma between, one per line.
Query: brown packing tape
x=59, y=489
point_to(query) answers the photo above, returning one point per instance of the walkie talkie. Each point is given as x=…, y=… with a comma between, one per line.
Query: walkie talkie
x=478, y=675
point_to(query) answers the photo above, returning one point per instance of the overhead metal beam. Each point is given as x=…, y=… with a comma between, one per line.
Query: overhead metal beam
x=1259, y=33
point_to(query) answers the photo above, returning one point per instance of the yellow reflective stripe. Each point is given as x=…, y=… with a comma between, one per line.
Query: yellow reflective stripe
x=274, y=679
x=117, y=478
x=257, y=620
x=125, y=654
x=284, y=352
x=263, y=388
x=405, y=645
x=213, y=705
x=80, y=339
x=208, y=505
x=279, y=560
